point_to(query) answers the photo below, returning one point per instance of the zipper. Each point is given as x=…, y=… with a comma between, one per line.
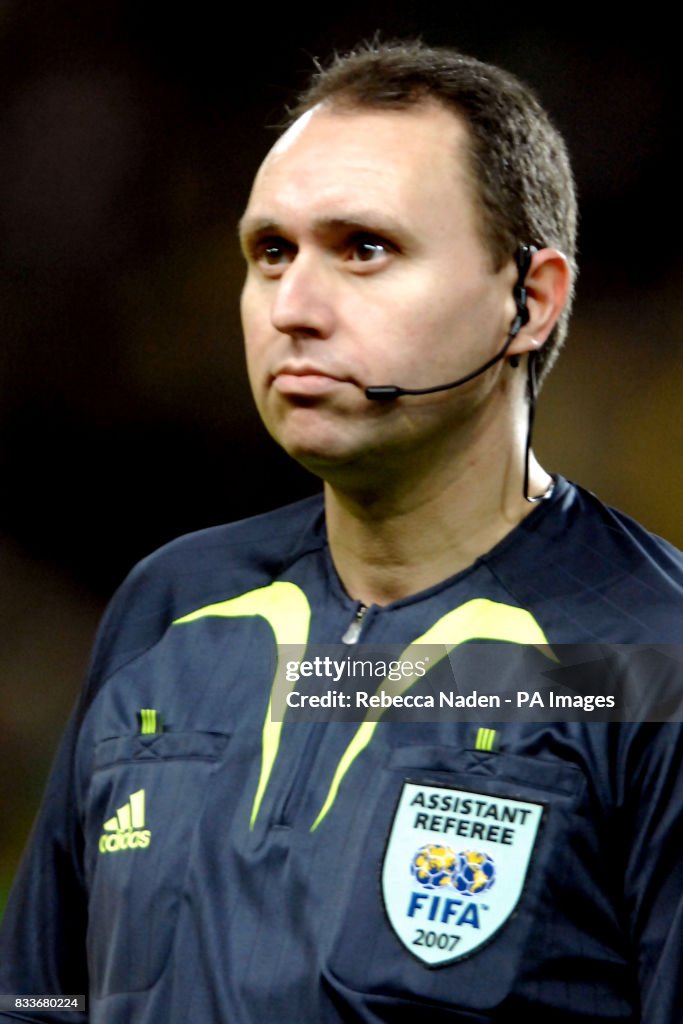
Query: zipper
x=354, y=628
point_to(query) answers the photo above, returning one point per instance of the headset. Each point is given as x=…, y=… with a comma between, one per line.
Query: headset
x=388, y=392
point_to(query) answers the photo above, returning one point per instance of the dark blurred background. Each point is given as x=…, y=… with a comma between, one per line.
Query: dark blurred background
x=129, y=133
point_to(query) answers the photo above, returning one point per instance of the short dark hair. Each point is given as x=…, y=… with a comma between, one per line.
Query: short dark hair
x=520, y=168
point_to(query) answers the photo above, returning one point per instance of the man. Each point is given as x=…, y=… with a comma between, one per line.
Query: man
x=200, y=857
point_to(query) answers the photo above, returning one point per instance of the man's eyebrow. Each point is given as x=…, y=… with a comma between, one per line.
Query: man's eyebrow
x=247, y=225
x=357, y=220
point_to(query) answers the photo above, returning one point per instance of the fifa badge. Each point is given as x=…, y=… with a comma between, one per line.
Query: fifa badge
x=454, y=869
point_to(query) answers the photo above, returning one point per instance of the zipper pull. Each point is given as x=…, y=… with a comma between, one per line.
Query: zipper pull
x=353, y=632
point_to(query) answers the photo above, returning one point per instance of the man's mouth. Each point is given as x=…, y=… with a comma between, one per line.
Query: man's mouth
x=305, y=379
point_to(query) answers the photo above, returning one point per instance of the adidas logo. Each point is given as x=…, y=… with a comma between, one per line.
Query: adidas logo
x=126, y=831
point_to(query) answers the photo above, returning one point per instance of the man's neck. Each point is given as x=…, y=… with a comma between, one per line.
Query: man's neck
x=389, y=544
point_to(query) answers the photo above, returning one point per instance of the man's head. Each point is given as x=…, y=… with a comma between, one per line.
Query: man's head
x=372, y=258
x=521, y=176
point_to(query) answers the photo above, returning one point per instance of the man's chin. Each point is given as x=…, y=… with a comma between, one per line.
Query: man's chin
x=335, y=464
x=319, y=460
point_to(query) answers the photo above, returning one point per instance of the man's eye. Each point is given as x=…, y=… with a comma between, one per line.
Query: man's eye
x=270, y=253
x=366, y=250
x=274, y=253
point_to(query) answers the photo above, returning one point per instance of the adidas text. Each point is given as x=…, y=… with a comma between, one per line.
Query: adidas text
x=125, y=841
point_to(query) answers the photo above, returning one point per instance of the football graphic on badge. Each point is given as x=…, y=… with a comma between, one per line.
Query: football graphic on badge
x=446, y=899
x=469, y=871
x=433, y=866
x=476, y=872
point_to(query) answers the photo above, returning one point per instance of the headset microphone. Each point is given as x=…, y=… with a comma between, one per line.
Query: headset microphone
x=386, y=392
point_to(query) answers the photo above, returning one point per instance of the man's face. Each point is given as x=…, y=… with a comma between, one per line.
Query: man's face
x=365, y=265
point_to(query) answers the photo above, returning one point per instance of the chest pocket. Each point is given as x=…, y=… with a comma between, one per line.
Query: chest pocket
x=438, y=855
x=145, y=800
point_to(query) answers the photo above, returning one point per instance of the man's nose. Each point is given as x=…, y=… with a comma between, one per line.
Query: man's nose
x=302, y=304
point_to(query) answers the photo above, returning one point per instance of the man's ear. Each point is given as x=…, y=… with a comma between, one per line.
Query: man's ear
x=548, y=285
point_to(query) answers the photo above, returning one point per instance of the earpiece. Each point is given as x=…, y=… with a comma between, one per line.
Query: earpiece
x=523, y=258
